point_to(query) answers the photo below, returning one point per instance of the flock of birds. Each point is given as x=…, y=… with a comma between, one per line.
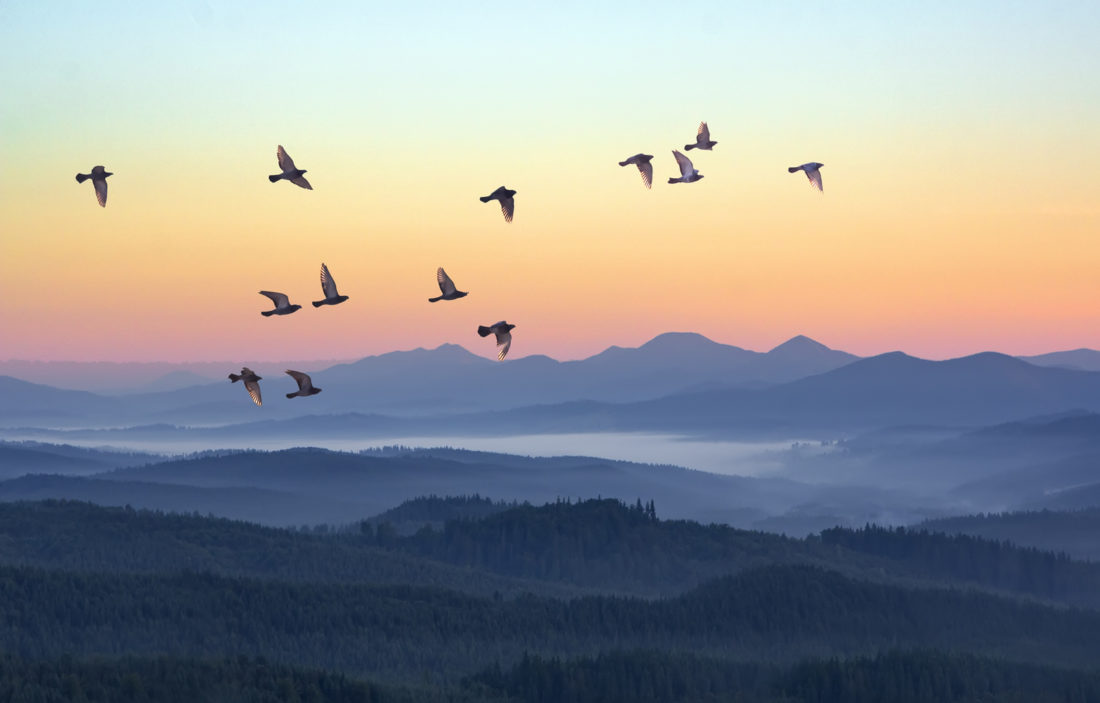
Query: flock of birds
x=688, y=172
x=502, y=331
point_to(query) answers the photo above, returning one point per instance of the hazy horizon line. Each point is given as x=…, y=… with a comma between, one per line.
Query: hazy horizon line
x=492, y=355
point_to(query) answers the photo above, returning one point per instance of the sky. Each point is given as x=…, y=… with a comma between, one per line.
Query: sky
x=960, y=143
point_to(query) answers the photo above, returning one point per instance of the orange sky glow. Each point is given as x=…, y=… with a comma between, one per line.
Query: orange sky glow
x=958, y=214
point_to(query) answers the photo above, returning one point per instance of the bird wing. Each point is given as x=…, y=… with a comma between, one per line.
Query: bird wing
x=301, y=182
x=304, y=381
x=814, y=174
x=100, y=185
x=683, y=162
x=328, y=286
x=508, y=207
x=504, y=343
x=280, y=299
x=704, y=133
x=285, y=162
x=446, y=285
x=253, y=388
x=646, y=169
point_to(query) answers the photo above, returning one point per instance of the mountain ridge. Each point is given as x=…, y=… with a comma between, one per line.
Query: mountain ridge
x=449, y=379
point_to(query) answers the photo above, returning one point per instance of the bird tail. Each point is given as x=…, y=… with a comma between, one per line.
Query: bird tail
x=234, y=377
x=674, y=180
x=792, y=169
x=267, y=313
x=437, y=299
x=484, y=331
x=81, y=177
x=274, y=179
x=318, y=303
x=689, y=147
x=485, y=198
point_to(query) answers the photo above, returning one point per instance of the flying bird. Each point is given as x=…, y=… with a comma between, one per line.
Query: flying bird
x=250, y=383
x=290, y=172
x=642, y=161
x=507, y=204
x=328, y=287
x=99, y=182
x=688, y=174
x=702, y=139
x=503, y=332
x=813, y=172
x=446, y=287
x=305, y=385
x=282, y=304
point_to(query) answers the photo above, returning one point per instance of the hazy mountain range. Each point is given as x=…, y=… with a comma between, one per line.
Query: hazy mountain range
x=423, y=382
x=799, y=356
x=450, y=378
x=116, y=378
x=678, y=382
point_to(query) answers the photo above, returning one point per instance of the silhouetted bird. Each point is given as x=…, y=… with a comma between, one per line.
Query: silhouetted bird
x=642, y=161
x=328, y=287
x=99, y=182
x=507, y=204
x=688, y=174
x=290, y=172
x=282, y=304
x=813, y=172
x=702, y=139
x=305, y=385
x=250, y=383
x=446, y=287
x=503, y=332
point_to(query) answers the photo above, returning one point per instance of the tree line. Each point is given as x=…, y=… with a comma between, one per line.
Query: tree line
x=919, y=676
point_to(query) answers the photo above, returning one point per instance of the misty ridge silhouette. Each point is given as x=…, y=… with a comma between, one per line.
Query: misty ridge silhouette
x=676, y=381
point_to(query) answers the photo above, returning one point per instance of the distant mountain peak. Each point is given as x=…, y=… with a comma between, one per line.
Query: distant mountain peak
x=800, y=343
x=990, y=359
x=442, y=352
x=449, y=348
x=679, y=339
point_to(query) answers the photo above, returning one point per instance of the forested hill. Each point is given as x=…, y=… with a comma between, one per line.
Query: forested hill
x=83, y=537
x=558, y=549
x=433, y=511
x=909, y=677
x=778, y=614
x=919, y=676
x=186, y=680
x=604, y=543
x=996, y=564
x=599, y=543
x=1076, y=532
